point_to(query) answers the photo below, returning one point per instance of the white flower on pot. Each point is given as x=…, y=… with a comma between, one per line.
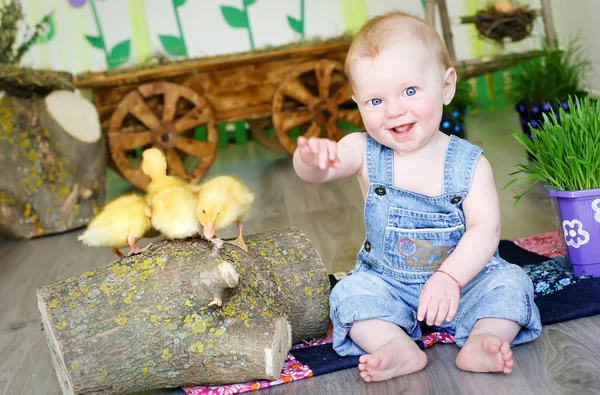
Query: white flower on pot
x=596, y=208
x=575, y=236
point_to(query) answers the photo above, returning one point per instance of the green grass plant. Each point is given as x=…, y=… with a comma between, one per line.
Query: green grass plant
x=556, y=74
x=565, y=152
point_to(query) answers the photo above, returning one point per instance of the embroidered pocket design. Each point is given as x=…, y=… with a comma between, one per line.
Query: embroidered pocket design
x=407, y=247
x=420, y=240
x=450, y=251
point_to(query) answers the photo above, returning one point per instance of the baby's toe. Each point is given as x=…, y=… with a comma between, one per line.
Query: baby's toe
x=374, y=362
x=493, y=345
x=365, y=376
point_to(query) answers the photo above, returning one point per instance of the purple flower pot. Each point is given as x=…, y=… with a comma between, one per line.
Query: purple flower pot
x=578, y=221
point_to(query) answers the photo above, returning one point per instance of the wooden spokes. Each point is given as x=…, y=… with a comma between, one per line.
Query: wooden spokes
x=313, y=94
x=163, y=131
x=262, y=130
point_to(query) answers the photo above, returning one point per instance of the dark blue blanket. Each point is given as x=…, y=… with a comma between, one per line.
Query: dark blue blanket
x=559, y=297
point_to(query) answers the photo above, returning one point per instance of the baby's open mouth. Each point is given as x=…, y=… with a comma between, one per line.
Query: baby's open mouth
x=403, y=128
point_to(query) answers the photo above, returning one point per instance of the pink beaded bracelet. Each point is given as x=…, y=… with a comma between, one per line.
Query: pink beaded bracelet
x=452, y=277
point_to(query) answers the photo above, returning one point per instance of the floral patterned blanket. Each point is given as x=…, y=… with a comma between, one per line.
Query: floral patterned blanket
x=559, y=295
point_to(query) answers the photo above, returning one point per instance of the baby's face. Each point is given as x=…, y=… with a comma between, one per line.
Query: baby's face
x=401, y=93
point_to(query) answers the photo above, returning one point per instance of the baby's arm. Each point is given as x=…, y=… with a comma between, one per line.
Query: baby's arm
x=483, y=227
x=440, y=296
x=319, y=160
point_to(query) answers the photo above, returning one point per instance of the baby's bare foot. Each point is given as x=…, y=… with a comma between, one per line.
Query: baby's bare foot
x=395, y=358
x=485, y=353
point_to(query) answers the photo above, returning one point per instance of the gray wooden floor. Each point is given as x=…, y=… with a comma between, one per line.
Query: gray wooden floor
x=565, y=360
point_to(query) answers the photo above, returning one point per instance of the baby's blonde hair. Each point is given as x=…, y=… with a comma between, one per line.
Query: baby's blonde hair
x=391, y=28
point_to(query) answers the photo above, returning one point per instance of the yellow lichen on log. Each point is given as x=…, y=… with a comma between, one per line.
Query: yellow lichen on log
x=47, y=172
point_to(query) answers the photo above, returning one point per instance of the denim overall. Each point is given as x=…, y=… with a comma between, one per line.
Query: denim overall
x=408, y=236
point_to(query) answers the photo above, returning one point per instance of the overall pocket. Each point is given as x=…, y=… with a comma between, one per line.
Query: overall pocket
x=420, y=241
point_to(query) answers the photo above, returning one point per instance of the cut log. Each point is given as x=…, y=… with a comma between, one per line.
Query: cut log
x=54, y=163
x=146, y=321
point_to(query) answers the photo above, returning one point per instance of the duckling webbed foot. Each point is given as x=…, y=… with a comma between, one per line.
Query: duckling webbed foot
x=135, y=249
x=117, y=253
x=240, y=239
x=239, y=242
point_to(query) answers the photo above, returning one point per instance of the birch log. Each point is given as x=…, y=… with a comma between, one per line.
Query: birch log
x=152, y=320
x=53, y=159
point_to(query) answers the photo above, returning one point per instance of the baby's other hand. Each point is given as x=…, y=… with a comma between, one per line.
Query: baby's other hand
x=439, y=300
x=318, y=152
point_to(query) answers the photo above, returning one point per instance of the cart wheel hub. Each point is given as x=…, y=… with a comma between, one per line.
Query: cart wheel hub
x=164, y=135
x=324, y=111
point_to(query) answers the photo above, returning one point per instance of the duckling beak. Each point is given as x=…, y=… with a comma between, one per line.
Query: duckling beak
x=209, y=230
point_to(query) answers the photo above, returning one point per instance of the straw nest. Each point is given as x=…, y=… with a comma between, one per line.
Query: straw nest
x=498, y=26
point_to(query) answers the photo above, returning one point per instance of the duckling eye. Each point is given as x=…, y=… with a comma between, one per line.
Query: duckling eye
x=219, y=213
x=203, y=211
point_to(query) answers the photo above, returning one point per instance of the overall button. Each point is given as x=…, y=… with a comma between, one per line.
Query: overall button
x=456, y=199
x=367, y=246
x=380, y=191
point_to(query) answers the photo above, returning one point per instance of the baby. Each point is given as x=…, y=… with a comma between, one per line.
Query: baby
x=431, y=213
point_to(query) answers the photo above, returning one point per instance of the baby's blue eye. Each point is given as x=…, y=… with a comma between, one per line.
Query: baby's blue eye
x=410, y=91
x=375, y=102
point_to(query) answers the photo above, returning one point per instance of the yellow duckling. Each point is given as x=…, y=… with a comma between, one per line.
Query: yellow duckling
x=121, y=223
x=222, y=201
x=172, y=202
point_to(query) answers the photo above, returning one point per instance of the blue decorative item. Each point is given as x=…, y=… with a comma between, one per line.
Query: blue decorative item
x=532, y=114
x=453, y=122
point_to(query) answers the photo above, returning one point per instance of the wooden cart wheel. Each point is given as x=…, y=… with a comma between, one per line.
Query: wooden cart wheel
x=164, y=133
x=321, y=107
x=259, y=128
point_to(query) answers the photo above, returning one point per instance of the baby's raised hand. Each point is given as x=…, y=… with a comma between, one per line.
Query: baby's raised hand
x=318, y=152
x=439, y=300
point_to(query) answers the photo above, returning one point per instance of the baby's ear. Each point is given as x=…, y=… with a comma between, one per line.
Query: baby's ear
x=449, y=85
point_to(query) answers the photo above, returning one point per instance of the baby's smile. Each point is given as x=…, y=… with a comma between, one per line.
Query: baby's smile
x=403, y=130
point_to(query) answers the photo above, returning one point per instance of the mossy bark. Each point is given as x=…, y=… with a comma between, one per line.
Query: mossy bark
x=144, y=322
x=50, y=181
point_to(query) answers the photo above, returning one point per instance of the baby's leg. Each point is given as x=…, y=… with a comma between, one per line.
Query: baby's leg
x=392, y=352
x=497, y=310
x=487, y=348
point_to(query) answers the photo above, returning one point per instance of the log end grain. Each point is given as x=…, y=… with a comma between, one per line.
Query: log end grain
x=58, y=361
x=276, y=354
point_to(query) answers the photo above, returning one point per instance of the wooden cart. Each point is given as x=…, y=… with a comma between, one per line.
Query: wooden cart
x=296, y=87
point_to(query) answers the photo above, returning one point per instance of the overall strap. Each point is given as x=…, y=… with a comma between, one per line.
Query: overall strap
x=380, y=161
x=461, y=158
